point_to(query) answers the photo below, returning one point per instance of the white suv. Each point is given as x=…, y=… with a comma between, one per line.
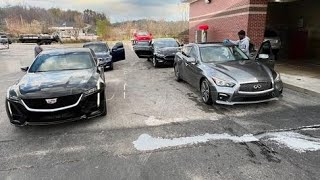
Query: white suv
x=4, y=39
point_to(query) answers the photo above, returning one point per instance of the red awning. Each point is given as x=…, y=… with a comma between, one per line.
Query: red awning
x=203, y=27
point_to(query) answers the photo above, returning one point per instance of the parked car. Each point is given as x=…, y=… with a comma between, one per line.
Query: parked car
x=274, y=38
x=102, y=52
x=4, y=39
x=226, y=75
x=164, y=51
x=143, y=49
x=36, y=38
x=61, y=85
x=141, y=36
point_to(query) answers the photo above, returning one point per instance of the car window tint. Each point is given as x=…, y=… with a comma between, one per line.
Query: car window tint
x=143, y=43
x=186, y=50
x=142, y=34
x=218, y=54
x=265, y=48
x=193, y=53
x=98, y=48
x=165, y=43
x=70, y=61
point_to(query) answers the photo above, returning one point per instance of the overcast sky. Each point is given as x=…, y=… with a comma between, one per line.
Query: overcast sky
x=117, y=10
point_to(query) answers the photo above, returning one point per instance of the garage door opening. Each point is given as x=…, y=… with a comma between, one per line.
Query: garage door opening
x=296, y=24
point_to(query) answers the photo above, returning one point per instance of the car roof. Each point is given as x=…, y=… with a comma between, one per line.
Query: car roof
x=66, y=51
x=95, y=43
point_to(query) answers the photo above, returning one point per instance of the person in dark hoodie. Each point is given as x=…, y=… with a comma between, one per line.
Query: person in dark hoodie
x=243, y=42
x=38, y=49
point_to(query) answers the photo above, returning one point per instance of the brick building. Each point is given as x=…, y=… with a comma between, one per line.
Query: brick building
x=295, y=21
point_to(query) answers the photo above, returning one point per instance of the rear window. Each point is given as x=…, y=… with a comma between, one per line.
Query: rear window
x=142, y=34
x=143, y=43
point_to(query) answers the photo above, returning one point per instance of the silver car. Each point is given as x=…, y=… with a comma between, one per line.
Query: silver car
x=4, y=39
x=226, y=75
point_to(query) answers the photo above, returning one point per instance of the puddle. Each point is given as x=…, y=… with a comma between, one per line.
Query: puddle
x=292, y=140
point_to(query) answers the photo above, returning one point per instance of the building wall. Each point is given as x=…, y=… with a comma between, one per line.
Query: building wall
x=226, y=18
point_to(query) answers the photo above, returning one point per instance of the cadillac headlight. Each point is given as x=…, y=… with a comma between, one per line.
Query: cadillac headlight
x=12, y=95
x=223, y=83
x=90, y=91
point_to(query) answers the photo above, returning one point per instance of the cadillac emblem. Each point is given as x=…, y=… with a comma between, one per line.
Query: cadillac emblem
x=51, y=101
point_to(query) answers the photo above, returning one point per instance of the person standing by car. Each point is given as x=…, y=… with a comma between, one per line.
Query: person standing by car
x=243, y=42
x=38, y=49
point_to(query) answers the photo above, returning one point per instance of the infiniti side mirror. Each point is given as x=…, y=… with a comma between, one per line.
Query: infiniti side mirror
x=263, y=56
x=191, y=60
x=24, y=69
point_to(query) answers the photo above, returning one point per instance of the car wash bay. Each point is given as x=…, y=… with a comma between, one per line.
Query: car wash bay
x=297, y=24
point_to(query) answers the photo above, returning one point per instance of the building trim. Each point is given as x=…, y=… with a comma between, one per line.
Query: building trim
x=230, y=15
x=252, y=7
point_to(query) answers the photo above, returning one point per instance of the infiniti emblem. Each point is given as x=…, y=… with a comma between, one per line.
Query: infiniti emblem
x=258, y=86
x=51, y=101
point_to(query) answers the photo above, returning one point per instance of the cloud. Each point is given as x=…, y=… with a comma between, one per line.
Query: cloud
x=117, y=10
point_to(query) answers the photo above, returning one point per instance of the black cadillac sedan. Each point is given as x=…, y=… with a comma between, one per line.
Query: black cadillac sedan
x=61, y=85
x=226, y=75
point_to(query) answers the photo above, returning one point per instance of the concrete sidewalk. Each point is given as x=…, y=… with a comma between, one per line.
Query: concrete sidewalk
x=300, y=78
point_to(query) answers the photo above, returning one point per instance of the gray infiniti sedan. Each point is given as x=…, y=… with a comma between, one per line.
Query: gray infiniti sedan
x=226, y=75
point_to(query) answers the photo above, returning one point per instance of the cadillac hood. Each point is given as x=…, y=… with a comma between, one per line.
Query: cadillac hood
x=57, y=84
x=244, y=71
x=168, y=51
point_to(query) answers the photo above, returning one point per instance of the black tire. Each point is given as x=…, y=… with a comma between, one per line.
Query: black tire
x=205, y=90
x=155, y=62
x=177, y=73
x=111, y=67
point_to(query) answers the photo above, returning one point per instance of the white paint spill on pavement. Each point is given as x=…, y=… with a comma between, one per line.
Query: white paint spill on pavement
x=147, y=143
x=293, y=140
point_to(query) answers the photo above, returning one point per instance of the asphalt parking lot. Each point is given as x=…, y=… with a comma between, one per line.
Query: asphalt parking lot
x=157, y=128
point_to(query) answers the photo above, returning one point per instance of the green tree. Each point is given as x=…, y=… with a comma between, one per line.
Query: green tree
x=102, y=27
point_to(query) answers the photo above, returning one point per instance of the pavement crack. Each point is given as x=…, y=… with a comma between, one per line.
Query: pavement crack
x=7, y=141
x=16, y=168
x=143, y=115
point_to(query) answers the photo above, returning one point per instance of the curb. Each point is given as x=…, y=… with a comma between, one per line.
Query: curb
x=300, y=89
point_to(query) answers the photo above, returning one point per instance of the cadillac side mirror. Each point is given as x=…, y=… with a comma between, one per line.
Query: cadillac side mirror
x=24, y=69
